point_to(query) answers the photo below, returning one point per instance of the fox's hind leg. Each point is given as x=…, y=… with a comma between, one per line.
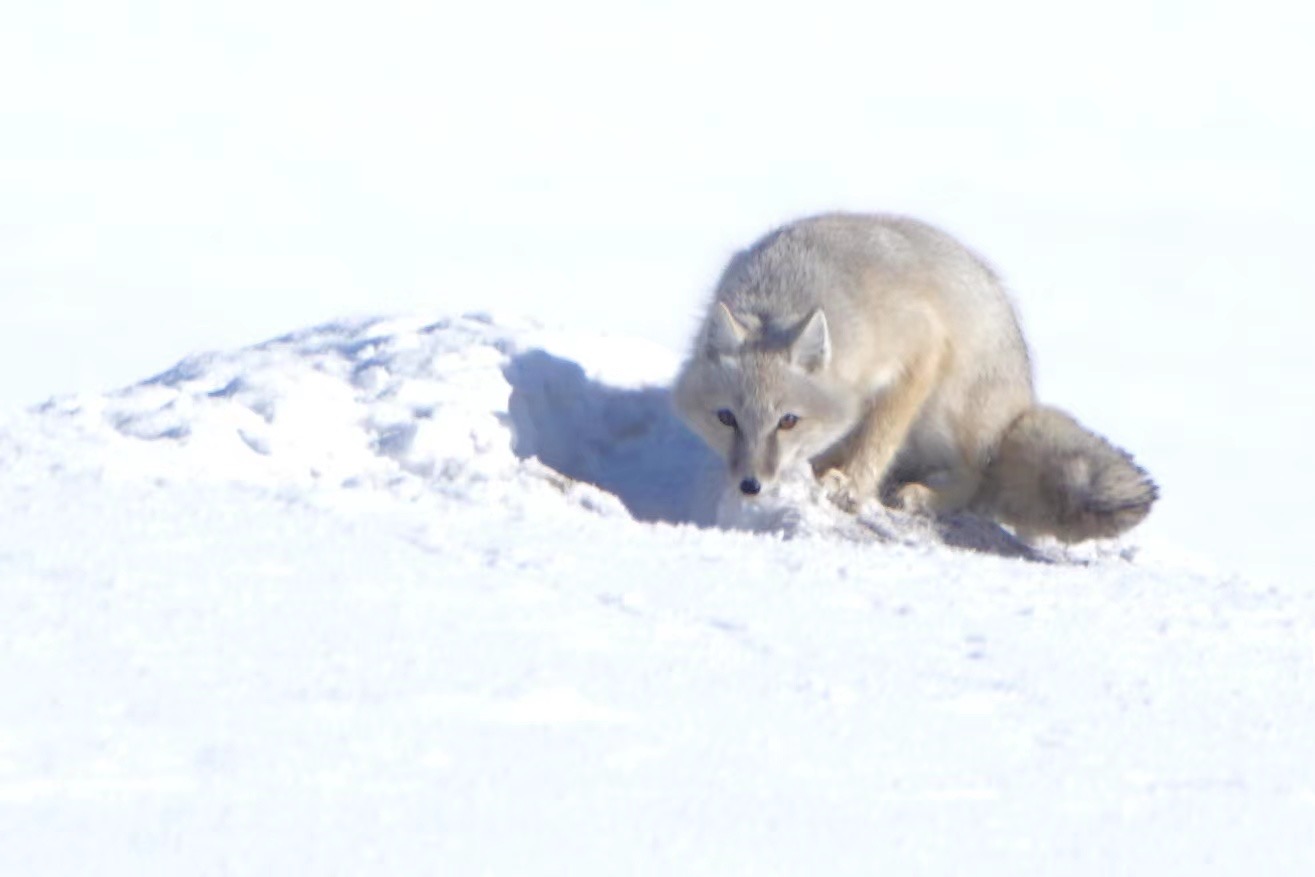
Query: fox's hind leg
x=940, y=492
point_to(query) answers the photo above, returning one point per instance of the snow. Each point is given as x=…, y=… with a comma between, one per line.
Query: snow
x=431, y=595
x=438, y=594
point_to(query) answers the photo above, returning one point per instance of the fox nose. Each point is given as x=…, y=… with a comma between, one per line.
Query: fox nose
x=750, y=487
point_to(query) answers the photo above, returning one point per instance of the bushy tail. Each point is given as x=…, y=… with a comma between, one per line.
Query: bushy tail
x=1051, y=475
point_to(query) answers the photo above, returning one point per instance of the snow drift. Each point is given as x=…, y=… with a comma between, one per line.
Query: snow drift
x=438, y=596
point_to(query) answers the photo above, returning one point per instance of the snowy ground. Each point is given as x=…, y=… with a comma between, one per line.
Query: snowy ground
x=331, y=605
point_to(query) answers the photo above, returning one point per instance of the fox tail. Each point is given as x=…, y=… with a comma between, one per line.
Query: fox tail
x=1051, y=475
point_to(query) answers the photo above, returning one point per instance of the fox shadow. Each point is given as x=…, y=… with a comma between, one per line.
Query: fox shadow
x=630, y=443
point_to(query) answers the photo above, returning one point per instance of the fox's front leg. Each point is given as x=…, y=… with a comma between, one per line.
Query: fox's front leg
x=860, y=463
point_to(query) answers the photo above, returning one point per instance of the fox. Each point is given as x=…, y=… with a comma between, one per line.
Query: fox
x=887, y=356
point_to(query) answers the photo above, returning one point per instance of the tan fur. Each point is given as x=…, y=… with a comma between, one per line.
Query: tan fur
x=899, y=355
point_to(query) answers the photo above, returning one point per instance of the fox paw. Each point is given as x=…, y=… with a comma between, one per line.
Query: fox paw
x=914, y=498
x=840, y=490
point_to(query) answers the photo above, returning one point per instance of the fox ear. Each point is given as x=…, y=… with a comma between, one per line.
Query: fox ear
x=811, y=348
x=725, y=334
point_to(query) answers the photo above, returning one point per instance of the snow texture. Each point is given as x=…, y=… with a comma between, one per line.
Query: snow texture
x=411, y=596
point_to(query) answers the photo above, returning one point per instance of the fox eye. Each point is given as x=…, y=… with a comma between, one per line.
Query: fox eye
x=788, y=421
x=726, y=417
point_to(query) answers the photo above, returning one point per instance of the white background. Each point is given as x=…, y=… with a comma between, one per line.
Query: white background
x=183, y=177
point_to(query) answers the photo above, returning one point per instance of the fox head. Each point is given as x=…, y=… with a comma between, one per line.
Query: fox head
x=765, y=403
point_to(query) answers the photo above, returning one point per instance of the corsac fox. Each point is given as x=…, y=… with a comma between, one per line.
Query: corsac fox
x=886, y=354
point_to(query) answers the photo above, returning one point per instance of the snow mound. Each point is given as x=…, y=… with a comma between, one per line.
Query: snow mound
x=471, y=409
x=403, y=406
